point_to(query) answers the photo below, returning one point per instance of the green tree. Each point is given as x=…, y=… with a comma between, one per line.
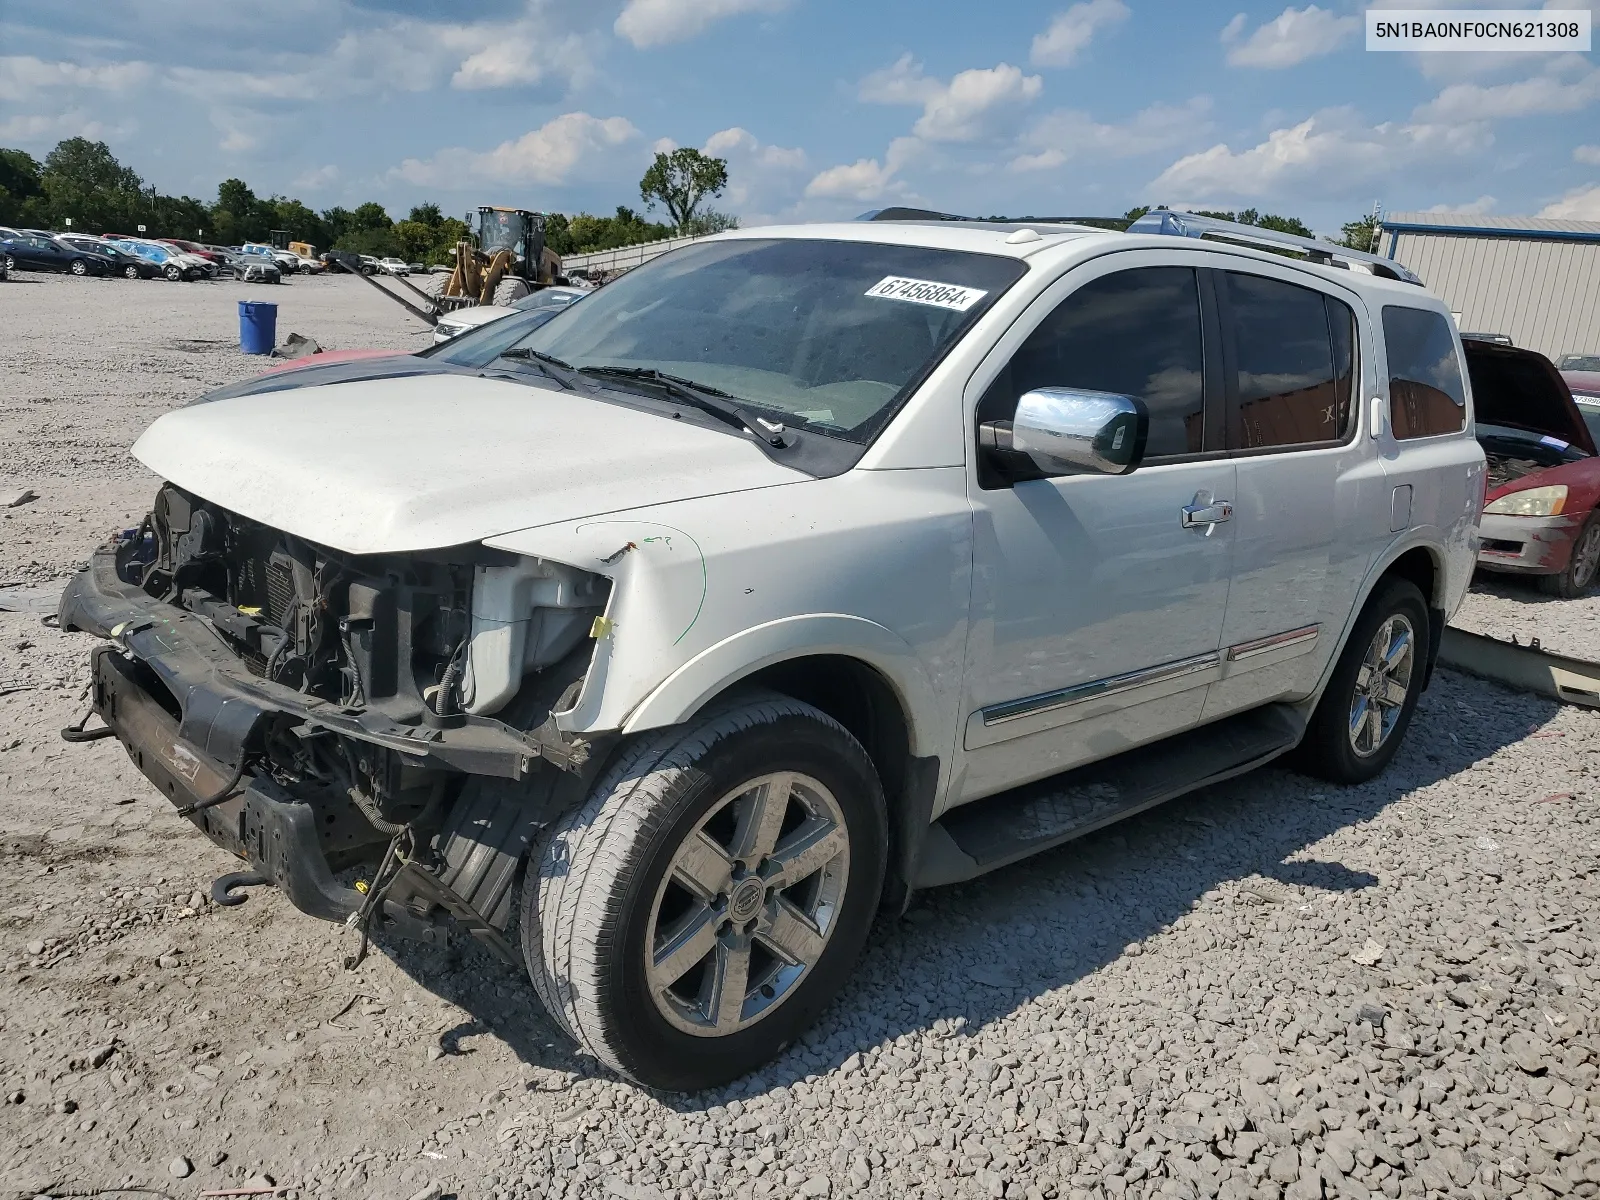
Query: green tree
x=416, y=239
x=302, y=223
x=338, y=222
x=21, y=191
x=380, y=243
x=1360, y=234
x=680, y=181
x=370, y=215
x=450, y=231
x=710, y=221
x=558, y=233
x=83, y=181
x=426, y=214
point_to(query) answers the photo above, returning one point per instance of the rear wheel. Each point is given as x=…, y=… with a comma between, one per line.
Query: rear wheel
x=1581, y=568
x=710, y=898
x=1363, y=716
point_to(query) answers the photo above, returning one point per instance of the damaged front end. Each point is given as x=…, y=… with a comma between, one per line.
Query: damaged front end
x=315, y=712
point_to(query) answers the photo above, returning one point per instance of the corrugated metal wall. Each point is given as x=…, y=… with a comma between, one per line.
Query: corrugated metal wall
x=1545, y=295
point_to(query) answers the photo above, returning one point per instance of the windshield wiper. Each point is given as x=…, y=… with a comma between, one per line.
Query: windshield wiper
x=709, y=399
x=545, y=363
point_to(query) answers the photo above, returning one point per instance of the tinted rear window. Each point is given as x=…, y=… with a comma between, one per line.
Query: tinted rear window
x=1292, y=362
x=1426, y=396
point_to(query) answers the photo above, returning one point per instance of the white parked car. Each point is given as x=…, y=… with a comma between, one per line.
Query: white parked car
x=393, y=266
x=796, y=569
x=458, y=321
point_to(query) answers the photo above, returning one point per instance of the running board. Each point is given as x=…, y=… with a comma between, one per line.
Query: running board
x=992, y=833
x=1527, y=668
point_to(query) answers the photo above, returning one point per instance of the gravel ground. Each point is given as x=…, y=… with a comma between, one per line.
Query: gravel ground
x=1269, y=989
x=1504, y=605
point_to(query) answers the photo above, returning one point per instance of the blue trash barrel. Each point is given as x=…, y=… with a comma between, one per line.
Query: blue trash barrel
x=258, y=326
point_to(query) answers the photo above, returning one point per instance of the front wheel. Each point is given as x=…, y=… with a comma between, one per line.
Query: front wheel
x=1579, y=573
x=130, y=272
x=79, y=267
x=1363, y=716
x=698, y=911
x=173, y=273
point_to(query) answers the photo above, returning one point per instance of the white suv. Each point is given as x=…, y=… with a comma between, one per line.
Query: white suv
x=795, y=570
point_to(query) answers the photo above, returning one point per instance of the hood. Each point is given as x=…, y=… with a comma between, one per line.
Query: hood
x=1523, y=390
x=478, y=314
x=427, y=461
x=324, y=358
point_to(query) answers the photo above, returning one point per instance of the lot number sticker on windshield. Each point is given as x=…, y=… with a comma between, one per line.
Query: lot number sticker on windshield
x=926, y=291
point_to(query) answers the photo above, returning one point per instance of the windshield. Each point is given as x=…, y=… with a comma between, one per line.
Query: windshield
x=826, y=335
x=1579, y=362
x=546, y=298
x=1590, y=411
x=483, y=345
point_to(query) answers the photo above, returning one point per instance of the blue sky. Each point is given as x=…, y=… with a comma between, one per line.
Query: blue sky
x=822, y=108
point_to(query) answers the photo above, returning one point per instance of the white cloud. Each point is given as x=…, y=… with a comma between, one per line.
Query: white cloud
x=1580, y=204
x=966, y=108
x=1291, y=37
x=648, y=23
x=54, y=127
x=1473, y=208
x=1331, y=153
x=516, y=62
x=1070, y=32
x=962, y=112
x=763, y=179
x=737, y=143
x=547, y=155
x=1069, y=133
x=1544, y=93
x=866, y=179
x=24, y=78
x=1587, y=154
x=317, y=179
x=902, y=82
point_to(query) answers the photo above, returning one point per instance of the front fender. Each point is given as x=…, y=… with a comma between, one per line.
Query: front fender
x=718, y=667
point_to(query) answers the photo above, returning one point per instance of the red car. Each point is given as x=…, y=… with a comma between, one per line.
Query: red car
x=1539, y=513
x=195, y=248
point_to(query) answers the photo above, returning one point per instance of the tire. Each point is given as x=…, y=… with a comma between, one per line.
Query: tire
x=11, y=264
x=1579, y=574
x=508, y=291
x=78, y=267
x=1334, y=747
x=173, y=273
x=611, y=874
x=130, y=272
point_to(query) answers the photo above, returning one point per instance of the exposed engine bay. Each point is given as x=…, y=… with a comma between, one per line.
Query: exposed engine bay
x=361, y=702
x=418, y=635
x=1512, y=454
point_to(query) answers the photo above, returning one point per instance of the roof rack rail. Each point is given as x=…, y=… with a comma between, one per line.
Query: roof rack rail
x=1182, y=224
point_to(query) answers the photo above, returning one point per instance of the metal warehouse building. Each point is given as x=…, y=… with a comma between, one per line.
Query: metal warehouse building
x=1532, y=278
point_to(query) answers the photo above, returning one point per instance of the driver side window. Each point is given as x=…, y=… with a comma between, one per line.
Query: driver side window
x=1134, y=332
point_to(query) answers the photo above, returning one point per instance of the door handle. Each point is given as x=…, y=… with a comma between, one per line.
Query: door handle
x=1205, y=513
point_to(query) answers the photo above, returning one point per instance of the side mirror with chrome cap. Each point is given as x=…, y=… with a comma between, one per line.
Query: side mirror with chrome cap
x=1072, y=431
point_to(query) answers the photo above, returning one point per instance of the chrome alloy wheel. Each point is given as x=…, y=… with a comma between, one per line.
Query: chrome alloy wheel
x=748, y=904
x=1382, y=684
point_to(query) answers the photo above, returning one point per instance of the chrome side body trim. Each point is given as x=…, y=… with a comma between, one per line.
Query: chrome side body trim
x=1096, y=689
x=1305, y=635
x=1112, y=685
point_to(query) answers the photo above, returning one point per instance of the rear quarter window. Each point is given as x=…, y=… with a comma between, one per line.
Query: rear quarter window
x=1426, y=395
